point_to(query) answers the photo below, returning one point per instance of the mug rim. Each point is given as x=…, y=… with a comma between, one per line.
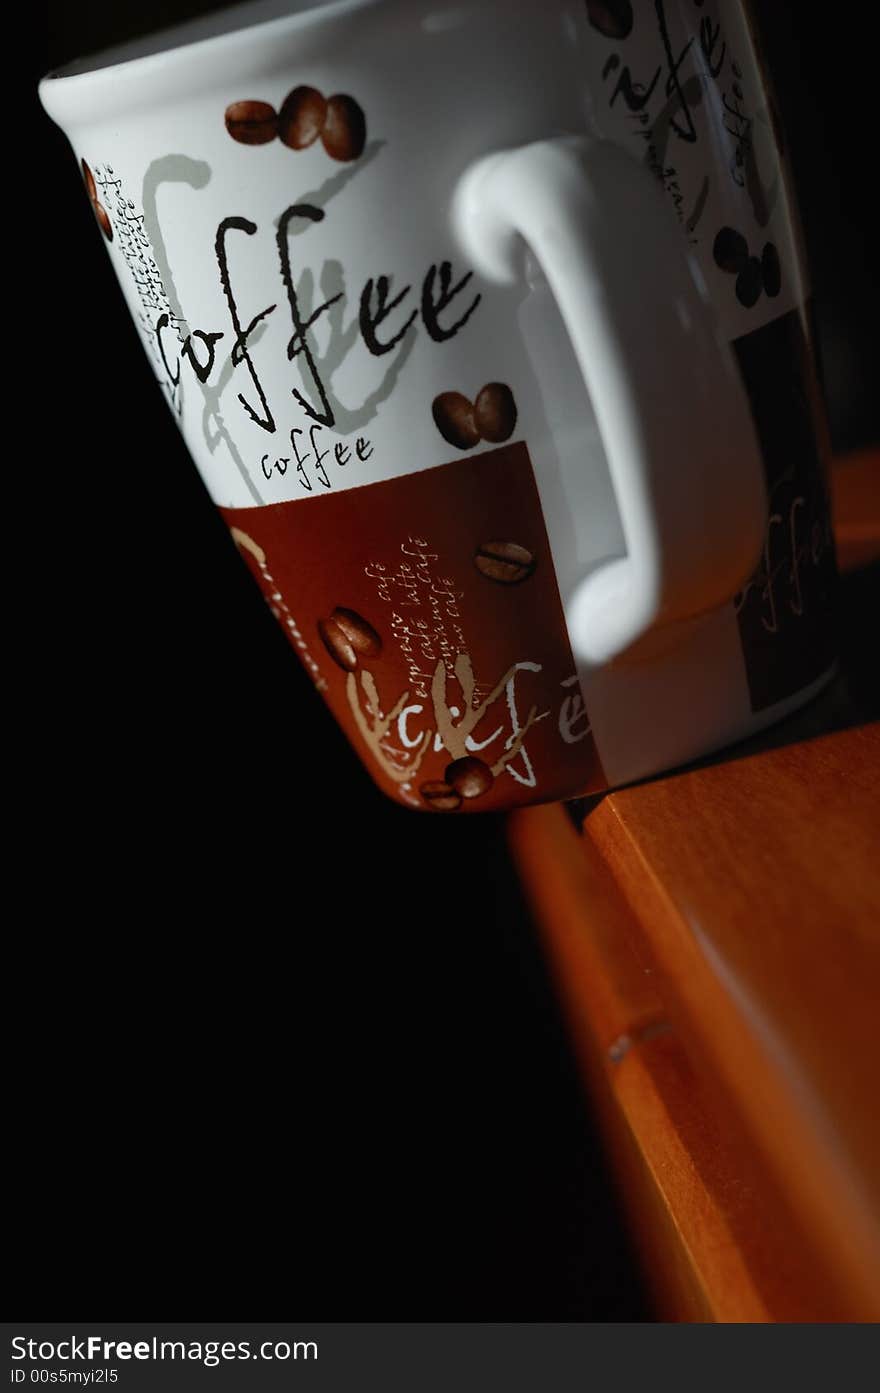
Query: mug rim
x=87, y=88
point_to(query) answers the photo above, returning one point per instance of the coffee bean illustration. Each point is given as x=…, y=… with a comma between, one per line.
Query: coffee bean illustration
x=340, y=648
x=469, y=777
x=454, y=418
x=730, y=250
x=613, y=18
x=344, y=133
x=505, y=562
x=98, y=208
x=464, y=424
x=90, y=182
x=357, y=632
x=440, y=796
x=348, y=637
x=495, y=412
x=771, y=271
x=251, y=122
x=301, y=118
x=748, y=283
x=104, y=222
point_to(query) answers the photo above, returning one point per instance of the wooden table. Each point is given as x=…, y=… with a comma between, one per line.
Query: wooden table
x=715, y=935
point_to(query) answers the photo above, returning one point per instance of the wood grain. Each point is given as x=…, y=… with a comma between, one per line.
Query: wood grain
x=721, y=1238
x=755, y=887
x=715, y=935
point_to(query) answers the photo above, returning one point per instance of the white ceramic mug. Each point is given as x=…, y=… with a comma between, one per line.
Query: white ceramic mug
x=486, y=327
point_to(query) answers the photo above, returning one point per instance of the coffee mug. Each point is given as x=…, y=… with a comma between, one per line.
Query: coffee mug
x=487, y=328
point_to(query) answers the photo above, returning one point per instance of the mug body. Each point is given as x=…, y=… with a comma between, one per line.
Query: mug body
x=405, y=453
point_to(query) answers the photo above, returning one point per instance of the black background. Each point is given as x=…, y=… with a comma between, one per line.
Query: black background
x=232, y=1096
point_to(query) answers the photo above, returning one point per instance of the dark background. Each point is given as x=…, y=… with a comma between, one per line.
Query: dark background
x=232, y=1096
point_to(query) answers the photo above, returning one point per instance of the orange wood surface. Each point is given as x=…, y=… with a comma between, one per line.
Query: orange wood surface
x=715, y=936
x=723, y=989
x=855, y=494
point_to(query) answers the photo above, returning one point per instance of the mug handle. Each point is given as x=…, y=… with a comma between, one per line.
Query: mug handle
x=669, y=402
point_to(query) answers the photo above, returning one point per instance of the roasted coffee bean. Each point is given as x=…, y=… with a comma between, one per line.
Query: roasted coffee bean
x=104, y=222
x=749, y=282
x=439, y=795
x=301, y=118
x=613, y=18
x=505, y=562
x=771, y=271
x=252, y=123
x=454, y=418
x=355, y=629
x=469, y=776
x=730, y=250
x=345, y=130
x=337, y=645
x=90, y=181
x=495, y=412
